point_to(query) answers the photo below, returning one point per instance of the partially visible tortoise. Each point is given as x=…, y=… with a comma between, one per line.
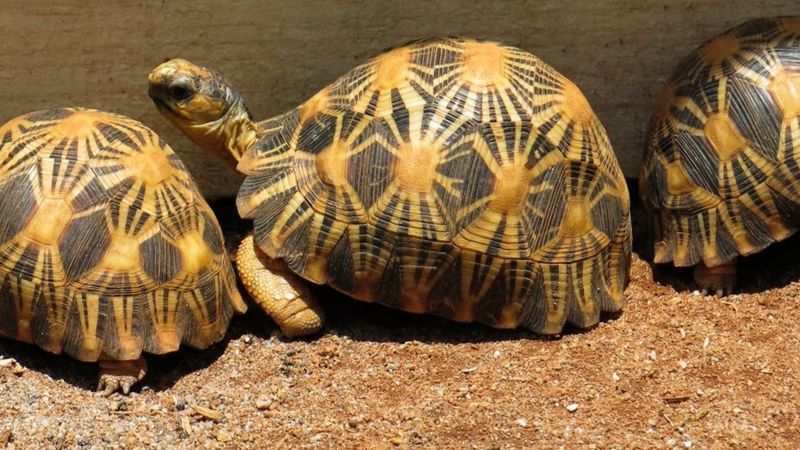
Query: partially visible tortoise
x=456, y=177
x=720, y=176
x=107, y=248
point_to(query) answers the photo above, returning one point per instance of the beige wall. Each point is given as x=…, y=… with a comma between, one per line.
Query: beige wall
x=98, y=53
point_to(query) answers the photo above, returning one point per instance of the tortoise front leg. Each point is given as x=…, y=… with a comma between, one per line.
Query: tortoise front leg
x=719, y=280
x=120, y=375
x=278, y=291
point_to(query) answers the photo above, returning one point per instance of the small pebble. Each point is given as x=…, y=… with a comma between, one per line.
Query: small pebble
x=207, y=413
x=186, y=426
x=572, y=407
x=496, y=354
x=354, y=421
x=687, y=443
x=521, y=422
x=223, y=435
x=180, y=403
x=263, y=403
x=7, y=362
x=614, y=376
x=683, y=364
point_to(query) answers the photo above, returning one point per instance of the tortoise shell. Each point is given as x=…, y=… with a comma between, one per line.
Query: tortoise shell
x=720, y=174
x=106, y=246
x=462, y=178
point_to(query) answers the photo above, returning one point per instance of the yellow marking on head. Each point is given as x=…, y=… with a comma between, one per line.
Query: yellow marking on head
x=723, y=136
x=785, y=90
x=677, y=181
x=49, y=221
x=195, y=253
x=575, y=105
x=331, y=164
x=666, y=98
x=577, y=217
x=122, y=254
x=315, y=105
x=511, y=188
x=484, y=64
x=79, y=124
x=720, y=48
x=391, y=68
x=415, y=167
x=150, y=165
x=791, y=24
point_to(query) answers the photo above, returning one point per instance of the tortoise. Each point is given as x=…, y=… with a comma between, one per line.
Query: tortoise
x=107, y=249
x=720, y=175
x=456, y=177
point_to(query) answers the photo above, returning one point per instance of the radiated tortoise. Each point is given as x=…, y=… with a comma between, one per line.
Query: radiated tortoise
x=456, y=177
x=720, y=176
x=107, y=249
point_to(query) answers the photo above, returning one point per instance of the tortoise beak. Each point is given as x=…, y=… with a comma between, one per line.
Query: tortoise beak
x=157, y=95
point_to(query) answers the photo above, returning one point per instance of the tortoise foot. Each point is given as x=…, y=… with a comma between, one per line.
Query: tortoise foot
x=120, y=375
x=718, y=280
x=278, y=291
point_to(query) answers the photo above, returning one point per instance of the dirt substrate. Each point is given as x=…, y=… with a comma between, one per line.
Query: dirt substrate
x=675, y=370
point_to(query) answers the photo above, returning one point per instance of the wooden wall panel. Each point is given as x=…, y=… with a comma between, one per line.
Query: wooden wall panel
x=97, y=54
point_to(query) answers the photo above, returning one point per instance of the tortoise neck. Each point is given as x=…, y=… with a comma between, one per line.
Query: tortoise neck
x=228, y=137
x=237, y=132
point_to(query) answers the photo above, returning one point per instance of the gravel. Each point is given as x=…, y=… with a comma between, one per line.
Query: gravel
x=675, y=370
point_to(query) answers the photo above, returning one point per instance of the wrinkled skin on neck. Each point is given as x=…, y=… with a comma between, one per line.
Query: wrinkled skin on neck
x=202, y=104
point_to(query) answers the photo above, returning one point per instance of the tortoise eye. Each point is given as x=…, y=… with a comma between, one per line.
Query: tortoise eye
x=180, y=93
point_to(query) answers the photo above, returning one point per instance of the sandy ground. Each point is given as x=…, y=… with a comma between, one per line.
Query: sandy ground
x=675, y=370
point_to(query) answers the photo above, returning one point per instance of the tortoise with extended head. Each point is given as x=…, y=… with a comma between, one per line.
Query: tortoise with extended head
x=720, y=176
x=450, y=176
x=107, y=248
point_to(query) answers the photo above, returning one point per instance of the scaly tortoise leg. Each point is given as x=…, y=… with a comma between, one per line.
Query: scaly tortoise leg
x=278, y=291
x=719, y=280
x=120, y=375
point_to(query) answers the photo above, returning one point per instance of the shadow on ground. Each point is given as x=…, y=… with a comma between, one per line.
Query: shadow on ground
x=774, y=267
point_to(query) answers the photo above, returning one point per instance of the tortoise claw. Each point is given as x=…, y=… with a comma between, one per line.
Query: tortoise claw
x=105, y=387
x=120, y=375
x=719, y=280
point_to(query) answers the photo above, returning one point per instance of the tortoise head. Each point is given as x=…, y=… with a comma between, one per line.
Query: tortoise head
x=202, y=103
